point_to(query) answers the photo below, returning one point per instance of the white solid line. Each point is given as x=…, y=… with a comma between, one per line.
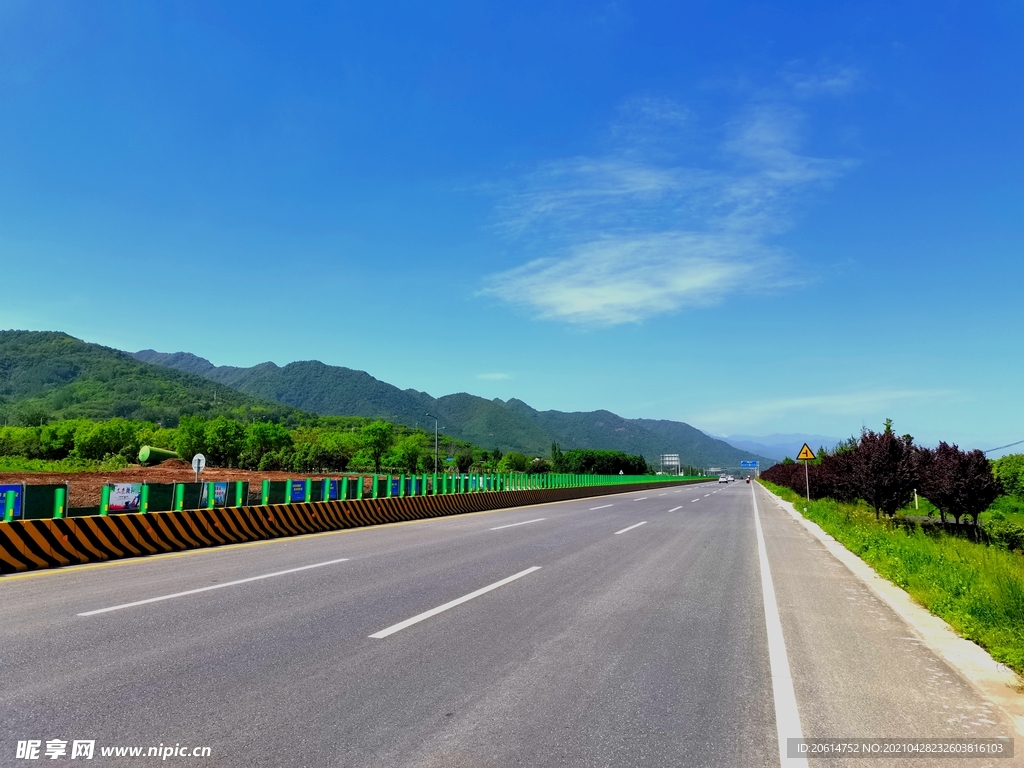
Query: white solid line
x=640, y=499
x=631, y=527
x=513, y=525
x=603, y=506
x=674, y=509
x=441, y=608
x=215, y=586
x=787, y=716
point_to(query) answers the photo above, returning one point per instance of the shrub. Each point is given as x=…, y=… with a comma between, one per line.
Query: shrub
x=1010, y=471
x=104, y=439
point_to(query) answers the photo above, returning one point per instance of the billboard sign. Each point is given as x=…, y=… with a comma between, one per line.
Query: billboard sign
x=297, y=491
x=330, y=492
x=17, y=499
x=125, y=497
x=220, y=495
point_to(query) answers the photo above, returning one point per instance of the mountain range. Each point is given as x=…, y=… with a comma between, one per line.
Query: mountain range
x=51, y=375
x=778, y=446
x=506, y=424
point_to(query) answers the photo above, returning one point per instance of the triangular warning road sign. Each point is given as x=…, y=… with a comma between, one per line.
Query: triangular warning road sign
x=806, y=454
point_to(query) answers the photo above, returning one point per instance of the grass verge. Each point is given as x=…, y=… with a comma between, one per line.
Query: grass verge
x=977, y=589
x=21, y=464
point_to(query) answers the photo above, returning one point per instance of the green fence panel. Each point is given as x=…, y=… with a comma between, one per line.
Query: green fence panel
x=38, y=501
x=159, y=497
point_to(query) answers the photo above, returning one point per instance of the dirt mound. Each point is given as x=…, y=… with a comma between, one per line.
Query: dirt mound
x=173, y=463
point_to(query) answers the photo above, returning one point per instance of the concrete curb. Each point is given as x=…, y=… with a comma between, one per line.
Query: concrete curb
x=995, y=681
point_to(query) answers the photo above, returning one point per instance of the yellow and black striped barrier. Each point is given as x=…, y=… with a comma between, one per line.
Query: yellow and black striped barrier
x=32, y=544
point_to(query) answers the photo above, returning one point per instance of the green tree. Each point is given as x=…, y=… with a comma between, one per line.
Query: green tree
x=225, y=441
x=261, y=438
x=556, y=458
x=1010, y=471
x=30, y=415
x=58, y=440
x=538, y=466
x=464, y=460
x=191, y=437
x=338, y=449
x=104, y=439
x=408, y=452
x=378, y=436
x=513, y=461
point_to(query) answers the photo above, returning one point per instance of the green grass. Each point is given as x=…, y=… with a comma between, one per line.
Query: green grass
x=21, y=464
x=1008, y=508
x=977, y=589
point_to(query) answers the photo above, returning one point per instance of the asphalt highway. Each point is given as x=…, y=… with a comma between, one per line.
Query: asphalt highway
x=628, y=630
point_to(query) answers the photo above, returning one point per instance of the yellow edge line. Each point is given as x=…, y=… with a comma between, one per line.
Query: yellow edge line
x=54, y=571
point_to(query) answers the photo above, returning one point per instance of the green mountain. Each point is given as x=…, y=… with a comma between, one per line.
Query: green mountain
x=50, y=375
x=512, y=425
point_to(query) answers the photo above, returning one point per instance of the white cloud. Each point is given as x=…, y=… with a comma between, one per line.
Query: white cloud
x=827, y=81
x=625, y=279
x=630, y=234
x=861, y=403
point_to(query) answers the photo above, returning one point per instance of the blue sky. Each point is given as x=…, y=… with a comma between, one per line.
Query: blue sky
x=755, y=218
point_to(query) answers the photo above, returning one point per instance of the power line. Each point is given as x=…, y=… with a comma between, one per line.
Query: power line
x=991, y=450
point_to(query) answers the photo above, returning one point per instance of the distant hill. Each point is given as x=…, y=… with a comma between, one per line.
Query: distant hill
x=50, y=375
x=779, y=446
x=513, y=425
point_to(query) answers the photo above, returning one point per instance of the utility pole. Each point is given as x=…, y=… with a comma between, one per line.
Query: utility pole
x=431, y=416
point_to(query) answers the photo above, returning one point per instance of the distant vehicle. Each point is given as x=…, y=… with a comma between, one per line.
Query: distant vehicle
x=731, y=478
x=748, y=479
x=723, y=479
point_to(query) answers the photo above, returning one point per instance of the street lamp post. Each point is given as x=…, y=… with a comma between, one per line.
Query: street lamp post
x=432, y=416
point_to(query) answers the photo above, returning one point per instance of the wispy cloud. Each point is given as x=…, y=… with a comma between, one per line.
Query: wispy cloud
x=859, y=403
x=493, y=376
x=825, y=81
x=634, y=232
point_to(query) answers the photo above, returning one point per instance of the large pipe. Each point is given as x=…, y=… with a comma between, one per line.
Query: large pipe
x=150, y=455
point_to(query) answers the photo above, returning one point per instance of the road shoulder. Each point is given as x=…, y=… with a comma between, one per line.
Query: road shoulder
x=995, y=681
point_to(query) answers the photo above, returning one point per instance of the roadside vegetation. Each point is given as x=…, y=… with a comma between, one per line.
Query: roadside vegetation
x=971, y=575
x=313, y=445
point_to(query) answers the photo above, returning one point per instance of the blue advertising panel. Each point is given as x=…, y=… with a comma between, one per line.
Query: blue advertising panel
x=17, y=499
x=394, y=486
x=220, y=495
x=297, y=491
x=330, y=492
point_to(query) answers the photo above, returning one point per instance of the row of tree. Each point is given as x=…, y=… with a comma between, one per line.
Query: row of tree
x=885, y=470
x=588, y=461
x=318, y=445
x=325, y=444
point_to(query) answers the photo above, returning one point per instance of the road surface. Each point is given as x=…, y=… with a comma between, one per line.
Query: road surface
x=628, y=630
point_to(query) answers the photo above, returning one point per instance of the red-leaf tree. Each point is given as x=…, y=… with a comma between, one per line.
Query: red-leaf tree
x=885, y=471
x=960, y=483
